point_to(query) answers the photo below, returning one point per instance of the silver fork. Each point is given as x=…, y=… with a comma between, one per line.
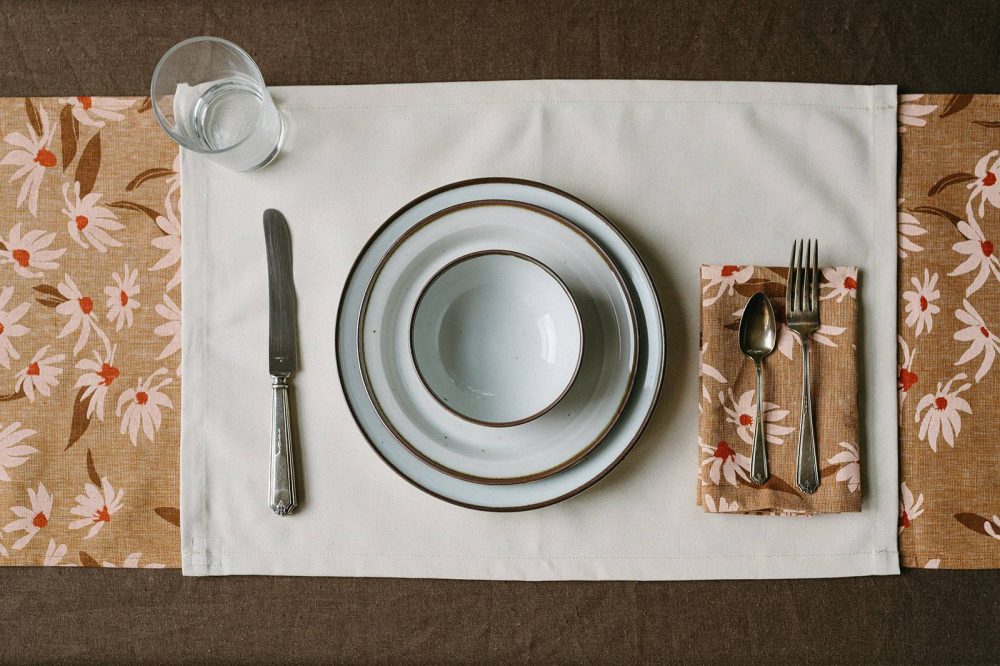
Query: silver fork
x=802, y=316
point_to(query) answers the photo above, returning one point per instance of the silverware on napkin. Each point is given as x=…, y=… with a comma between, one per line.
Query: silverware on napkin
x=283, y=355
x=758, y=338
x=802, y=315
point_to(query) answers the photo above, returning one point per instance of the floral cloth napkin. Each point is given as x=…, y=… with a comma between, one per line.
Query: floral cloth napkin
x=728, y=397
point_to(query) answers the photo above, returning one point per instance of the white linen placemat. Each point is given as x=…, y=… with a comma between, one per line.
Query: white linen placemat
x=692, y=173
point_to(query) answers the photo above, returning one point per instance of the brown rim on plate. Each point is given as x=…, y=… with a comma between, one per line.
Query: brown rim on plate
x=656, y=312
x=579, y=326
x=423, y=223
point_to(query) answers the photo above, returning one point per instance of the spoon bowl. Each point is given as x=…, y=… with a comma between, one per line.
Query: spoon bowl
x=758, y=328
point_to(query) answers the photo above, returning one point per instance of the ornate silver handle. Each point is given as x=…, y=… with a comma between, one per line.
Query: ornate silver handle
x=758, y=455
x=283, y=499
x=807, y=471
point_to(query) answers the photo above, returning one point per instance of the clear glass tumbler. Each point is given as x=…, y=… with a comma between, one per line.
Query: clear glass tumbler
x=209, y=96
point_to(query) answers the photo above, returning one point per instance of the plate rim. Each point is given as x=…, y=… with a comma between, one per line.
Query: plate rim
x=658, y=313
x=633, y=317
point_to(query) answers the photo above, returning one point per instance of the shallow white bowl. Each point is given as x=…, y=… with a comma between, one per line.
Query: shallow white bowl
x=496, y=338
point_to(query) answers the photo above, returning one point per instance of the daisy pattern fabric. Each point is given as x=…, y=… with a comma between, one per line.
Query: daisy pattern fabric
x=89, y=334
x=949, y=331
x=728, y=397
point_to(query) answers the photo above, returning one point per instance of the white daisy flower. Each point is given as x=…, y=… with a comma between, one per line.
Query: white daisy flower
x=94, y=111
x=987, y=184
x=170, y=242
x=911, y=113
x=86, y=221
x=725, y=277
x=80, y=310
x=30, y=519
x=724, y=462
x=982, y=341
x=920, y=307
x=32, y=156
x=743, y=412
x=850, y=461
x=96, y=505
x=943, y=415
x=12, y=452
x=97, y=378
x=40, y=374
x=9, y=328
x=121, y=297
x=908, y=227
x=170, y=328
x=979, y=251
x=54, y=554
x=840, y=282
x=724, y=506
x=143, y=406
x=27, y=254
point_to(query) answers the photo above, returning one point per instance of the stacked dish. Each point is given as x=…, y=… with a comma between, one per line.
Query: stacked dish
x=500, y=344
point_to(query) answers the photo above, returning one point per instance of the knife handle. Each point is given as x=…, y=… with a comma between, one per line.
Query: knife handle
x=283, y=498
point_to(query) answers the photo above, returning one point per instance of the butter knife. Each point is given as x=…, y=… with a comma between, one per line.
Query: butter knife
x=283, y=356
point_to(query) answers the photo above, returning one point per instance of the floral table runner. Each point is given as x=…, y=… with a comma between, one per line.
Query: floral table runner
x=90, y=333
x=949, y=322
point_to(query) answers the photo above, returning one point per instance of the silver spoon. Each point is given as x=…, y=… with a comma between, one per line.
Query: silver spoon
x=758, y=336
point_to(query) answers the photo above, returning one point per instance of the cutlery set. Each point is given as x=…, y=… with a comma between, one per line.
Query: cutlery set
x=758, y=338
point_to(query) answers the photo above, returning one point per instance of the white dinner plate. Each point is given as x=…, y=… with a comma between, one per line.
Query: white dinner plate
x=539, y=447
x=612, y=448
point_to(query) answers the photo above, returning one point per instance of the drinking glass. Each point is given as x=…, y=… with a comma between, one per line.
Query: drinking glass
x=209, y=96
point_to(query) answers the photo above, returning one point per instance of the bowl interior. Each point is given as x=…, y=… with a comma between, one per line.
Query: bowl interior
x=496, y=338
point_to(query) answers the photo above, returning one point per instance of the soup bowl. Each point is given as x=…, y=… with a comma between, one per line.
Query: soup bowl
x=496, y=338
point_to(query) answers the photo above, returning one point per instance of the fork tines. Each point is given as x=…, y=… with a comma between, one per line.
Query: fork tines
x=802, y=288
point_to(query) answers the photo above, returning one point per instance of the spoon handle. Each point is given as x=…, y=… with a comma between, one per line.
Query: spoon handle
x=758, y=456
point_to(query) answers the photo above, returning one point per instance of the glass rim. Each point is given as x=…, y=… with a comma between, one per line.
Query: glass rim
x=156, y=72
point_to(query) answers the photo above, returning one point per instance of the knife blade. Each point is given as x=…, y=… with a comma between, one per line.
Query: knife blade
x=282, y=347
x=283, y=360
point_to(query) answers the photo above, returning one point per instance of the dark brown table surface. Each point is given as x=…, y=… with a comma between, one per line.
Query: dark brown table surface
x=110, y=48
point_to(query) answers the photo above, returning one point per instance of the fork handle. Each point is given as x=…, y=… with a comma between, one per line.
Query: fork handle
x=807, y=466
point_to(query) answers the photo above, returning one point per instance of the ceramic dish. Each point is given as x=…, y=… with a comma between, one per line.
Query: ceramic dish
x=496, y=338
x=534, y=449
x=612, y=448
